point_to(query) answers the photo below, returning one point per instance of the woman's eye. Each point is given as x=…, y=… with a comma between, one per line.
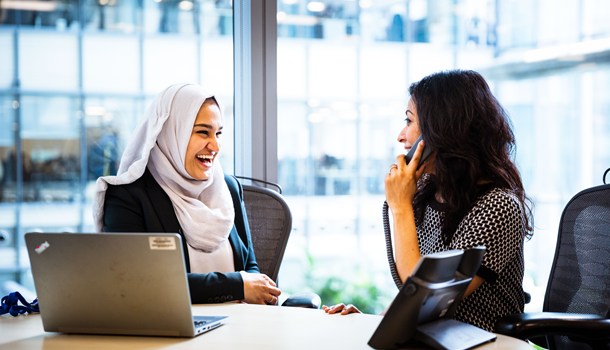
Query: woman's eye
x=203, y=132
x=408, y=121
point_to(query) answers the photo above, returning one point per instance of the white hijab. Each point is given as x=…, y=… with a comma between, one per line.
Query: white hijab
x=203, y=208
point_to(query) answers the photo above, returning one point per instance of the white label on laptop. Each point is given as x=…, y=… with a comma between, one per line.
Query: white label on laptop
x=162, y=243
x=42, y=247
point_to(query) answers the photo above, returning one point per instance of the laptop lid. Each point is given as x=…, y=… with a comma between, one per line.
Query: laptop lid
x=113, y=283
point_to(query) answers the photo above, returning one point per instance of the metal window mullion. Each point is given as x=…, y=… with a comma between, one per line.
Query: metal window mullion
x=255, y=62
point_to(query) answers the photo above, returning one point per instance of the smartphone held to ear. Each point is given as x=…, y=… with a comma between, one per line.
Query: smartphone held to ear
x=424, y=156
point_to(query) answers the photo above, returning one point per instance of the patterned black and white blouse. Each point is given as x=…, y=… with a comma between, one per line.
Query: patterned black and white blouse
x=496, y=221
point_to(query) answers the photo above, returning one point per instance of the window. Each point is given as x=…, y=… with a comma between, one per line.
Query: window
x=343, y=69
x=62, y=128
x=343, y=72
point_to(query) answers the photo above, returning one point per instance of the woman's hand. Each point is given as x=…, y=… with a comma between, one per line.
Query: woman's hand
x=259, y=289
x=401, y=181
x=341, y=309
x=400, y=188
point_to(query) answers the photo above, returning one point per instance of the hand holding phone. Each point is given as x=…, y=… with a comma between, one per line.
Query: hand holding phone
x=424, y=156
x=386, y=220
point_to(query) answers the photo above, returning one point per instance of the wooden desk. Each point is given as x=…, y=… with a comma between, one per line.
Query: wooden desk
x=248, y=327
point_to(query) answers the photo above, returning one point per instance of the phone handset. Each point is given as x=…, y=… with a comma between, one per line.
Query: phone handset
x=424, y=156
x=386, y=218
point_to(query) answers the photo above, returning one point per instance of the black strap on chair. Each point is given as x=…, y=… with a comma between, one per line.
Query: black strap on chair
x=606, y=173
x=266, y=183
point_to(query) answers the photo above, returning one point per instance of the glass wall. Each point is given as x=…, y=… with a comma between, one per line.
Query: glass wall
x=343, y=71
x=75, y=77
x=344, y=68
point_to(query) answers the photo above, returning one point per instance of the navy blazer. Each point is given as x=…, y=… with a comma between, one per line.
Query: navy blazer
x=143, y=206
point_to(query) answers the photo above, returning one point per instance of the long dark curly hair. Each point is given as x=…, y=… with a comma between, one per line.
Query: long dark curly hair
x=464, y=123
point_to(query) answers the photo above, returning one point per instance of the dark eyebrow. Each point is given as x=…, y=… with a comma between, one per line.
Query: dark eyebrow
x=409, y=111
x=207, y=126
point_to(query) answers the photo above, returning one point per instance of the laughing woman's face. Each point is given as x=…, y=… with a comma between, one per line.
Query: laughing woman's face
x=205, y=142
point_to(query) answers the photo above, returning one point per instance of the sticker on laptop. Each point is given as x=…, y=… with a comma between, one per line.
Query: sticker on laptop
x=162, y=243
x=42, y=247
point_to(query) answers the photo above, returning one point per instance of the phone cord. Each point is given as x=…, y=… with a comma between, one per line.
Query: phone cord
x=388, y=245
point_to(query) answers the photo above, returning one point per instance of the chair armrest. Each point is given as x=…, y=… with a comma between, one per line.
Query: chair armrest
x=305, y=299
x=532, y=324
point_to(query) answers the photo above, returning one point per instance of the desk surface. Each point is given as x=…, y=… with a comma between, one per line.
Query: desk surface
x=247, y=327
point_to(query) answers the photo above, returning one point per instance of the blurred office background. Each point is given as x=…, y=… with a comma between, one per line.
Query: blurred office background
x=75, y=77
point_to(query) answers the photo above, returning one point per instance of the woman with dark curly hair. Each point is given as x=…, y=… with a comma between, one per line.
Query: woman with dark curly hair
x=467, y=193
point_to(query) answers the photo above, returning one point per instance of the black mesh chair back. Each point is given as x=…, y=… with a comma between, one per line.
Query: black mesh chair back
x=580, y=278
x=270, y=225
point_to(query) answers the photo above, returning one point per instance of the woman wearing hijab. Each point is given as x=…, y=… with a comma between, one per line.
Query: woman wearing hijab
x=170, y=180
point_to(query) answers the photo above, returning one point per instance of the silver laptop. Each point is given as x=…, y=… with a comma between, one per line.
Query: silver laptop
x=114, y=283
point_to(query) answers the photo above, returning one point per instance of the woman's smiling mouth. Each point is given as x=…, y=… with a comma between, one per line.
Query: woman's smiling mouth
x=206, y=159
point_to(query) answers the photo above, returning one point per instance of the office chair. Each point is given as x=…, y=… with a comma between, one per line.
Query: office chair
x=576, y=308
x=270, y=222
